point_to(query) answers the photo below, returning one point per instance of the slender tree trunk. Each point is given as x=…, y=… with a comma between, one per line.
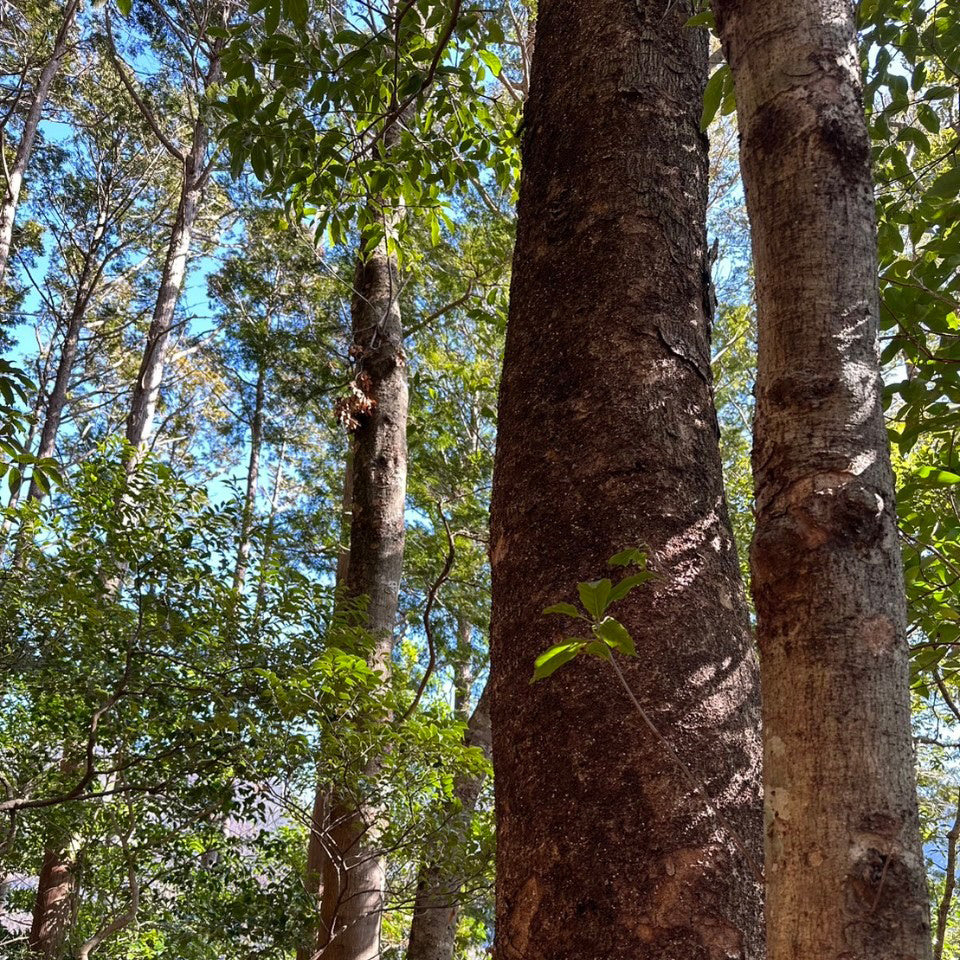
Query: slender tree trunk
x=353, y=881
x=949, y=882
x=57, y=401
x=146, y=390
x=271, y=525
x=433, y=931
x=253, y=477
x=608, y=439
x=845, y=872
x=54, y=904
x=15, y=174
x=317, y=841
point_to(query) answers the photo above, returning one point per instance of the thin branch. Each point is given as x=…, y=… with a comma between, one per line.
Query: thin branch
x=949, y=881
x=431, y=599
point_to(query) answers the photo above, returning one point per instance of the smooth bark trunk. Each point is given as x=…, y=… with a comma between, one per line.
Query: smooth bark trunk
x=146, y=390
x=354, y=874
x=57, y=401
x=845, y=871
x=608, y=439
x=433, y=930
x=15, y=174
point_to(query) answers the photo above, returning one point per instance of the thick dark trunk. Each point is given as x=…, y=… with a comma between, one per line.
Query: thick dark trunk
x=8, y=209
x=433, y=931
x=845, y=872
x=608, y=439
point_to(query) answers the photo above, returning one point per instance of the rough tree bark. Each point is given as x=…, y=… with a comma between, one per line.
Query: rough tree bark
x=14, y=175
x=354, y=872
x=845, y=872
x=433, y=930
x=54, y=904
x=608, y=439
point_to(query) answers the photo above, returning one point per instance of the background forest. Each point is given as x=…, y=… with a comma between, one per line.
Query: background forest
x=202, y=198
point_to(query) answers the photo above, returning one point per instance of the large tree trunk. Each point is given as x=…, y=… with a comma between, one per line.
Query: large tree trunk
x=354, y=873
x=54, y=904
x=845, y=873
x=8, y=209
x=608, y=439
x=433, y=931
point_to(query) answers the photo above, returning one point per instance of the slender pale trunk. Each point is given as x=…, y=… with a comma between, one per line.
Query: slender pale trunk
x=271, y=525
x=253, y=477
x=57, y=401
x=354, y=875
x=845, y=871
x=15, y=173
x=433, y=930
x=608, y=439
x=146, y=390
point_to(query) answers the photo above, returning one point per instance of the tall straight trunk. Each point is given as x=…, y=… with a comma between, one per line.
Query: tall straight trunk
x=15, y=174
x=253, y=477
x=355, y=873
x=146, y=390
x=608, y=439
x=845, y=872
x=317, y=841
x=54, y=904
x=433, y=930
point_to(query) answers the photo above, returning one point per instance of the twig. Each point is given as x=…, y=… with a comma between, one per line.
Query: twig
x=431, y=599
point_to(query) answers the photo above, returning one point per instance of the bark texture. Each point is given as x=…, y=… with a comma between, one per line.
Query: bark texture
x=608, y=439
x=8, y=210
x=354, y=872
x=433, y=930
x=845, y=873
x=53, y=907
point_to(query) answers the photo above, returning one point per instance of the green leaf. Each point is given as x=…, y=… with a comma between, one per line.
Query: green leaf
x=712, y=97
x=597, y=649
x=631, y=557
x=705, y=19
x=554, y=658
x=627, y=584
x=594, y=595
x=492, y=61
x=616, y=636
x=936, y=475
x=125, y=7
x=564, y=609
x=297, y=11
